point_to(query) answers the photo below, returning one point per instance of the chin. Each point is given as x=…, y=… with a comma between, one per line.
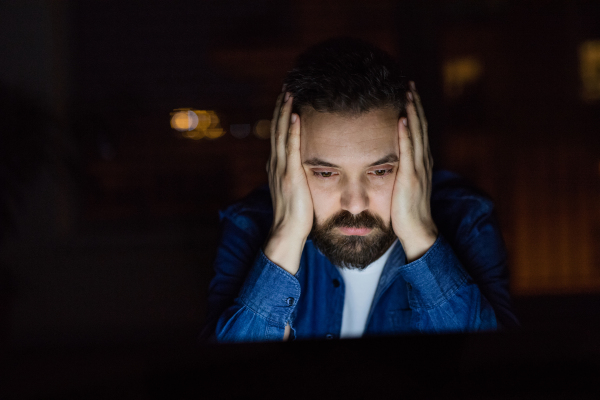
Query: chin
x=353, y=251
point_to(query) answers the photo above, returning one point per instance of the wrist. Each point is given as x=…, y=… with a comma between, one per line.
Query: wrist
x=287, y=231
x=417, y=244
x=284, y=249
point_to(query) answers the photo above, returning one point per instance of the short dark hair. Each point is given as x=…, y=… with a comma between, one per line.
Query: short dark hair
x=347, y=76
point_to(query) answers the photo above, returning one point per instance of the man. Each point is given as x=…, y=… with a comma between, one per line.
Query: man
x=357, y=236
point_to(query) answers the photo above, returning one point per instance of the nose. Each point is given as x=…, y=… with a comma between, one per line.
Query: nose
x=354, y=198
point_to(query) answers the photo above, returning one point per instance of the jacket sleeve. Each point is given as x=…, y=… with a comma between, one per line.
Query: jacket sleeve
x=462, y=281
x=250, y=298
x=442, y=295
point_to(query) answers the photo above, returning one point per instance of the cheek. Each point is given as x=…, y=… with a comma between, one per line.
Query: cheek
x=380, y=199
x=326, y=201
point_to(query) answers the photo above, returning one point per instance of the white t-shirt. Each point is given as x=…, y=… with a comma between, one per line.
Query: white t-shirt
x=360, y=290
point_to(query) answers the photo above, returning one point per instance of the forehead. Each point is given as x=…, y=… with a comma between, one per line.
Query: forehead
x=349, y=139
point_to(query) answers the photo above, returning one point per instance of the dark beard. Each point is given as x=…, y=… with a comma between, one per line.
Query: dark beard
x=352, y=251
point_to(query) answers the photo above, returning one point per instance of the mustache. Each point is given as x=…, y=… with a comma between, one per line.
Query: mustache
x=346, y=219
x=354, y=252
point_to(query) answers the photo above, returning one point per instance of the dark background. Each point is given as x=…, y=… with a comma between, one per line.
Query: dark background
x=109, y=218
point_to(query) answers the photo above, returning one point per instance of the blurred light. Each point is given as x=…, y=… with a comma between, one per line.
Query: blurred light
x=197, y=124
x=460, y=73
x=196, y=135
x=214, y=119
x=262, y=129
x=203, y=119
x=240, y=131
x=213, y=133
x=589, y=69
x=184, y=121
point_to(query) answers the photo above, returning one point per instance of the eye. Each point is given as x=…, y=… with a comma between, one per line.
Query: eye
x=382, y=172
x=325, y=174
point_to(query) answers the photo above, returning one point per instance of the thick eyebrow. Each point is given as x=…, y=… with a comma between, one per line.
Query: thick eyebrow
x=317, y=162
x=390, y=158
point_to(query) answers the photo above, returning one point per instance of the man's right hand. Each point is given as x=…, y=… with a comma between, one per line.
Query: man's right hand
x=292, y=201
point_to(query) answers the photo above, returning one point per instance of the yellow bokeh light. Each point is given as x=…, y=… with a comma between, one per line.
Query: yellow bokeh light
x=460, y=73
x=589, y=69
x=184, y=121
x=195, y=135
x=213, y=133
x=214, y=119
x=197, y=124
x=203, y=119
x=262, y=129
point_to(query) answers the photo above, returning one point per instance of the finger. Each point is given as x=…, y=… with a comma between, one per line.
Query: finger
x=416, y=134
x=419, y=106
x=424, y=125
x=282, y=129
x=273, y=157
x=276, y=112
x=293, y=142
x=407, y=164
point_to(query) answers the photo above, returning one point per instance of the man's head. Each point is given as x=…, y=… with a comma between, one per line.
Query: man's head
x=349, y=96
x=346, y=76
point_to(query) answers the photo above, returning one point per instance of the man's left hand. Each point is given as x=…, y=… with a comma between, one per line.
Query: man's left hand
x=411, y=208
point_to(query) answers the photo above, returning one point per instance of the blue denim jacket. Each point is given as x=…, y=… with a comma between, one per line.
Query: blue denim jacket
x=460, y=284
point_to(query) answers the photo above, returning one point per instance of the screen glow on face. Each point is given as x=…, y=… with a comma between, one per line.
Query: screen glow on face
x=350, y=164
x=378, y=169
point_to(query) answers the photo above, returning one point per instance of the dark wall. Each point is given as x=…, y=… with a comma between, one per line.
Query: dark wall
x=110, y=235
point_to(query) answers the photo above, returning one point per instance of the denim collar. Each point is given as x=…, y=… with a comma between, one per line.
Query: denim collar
x=389, y=274
x=396, y=260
